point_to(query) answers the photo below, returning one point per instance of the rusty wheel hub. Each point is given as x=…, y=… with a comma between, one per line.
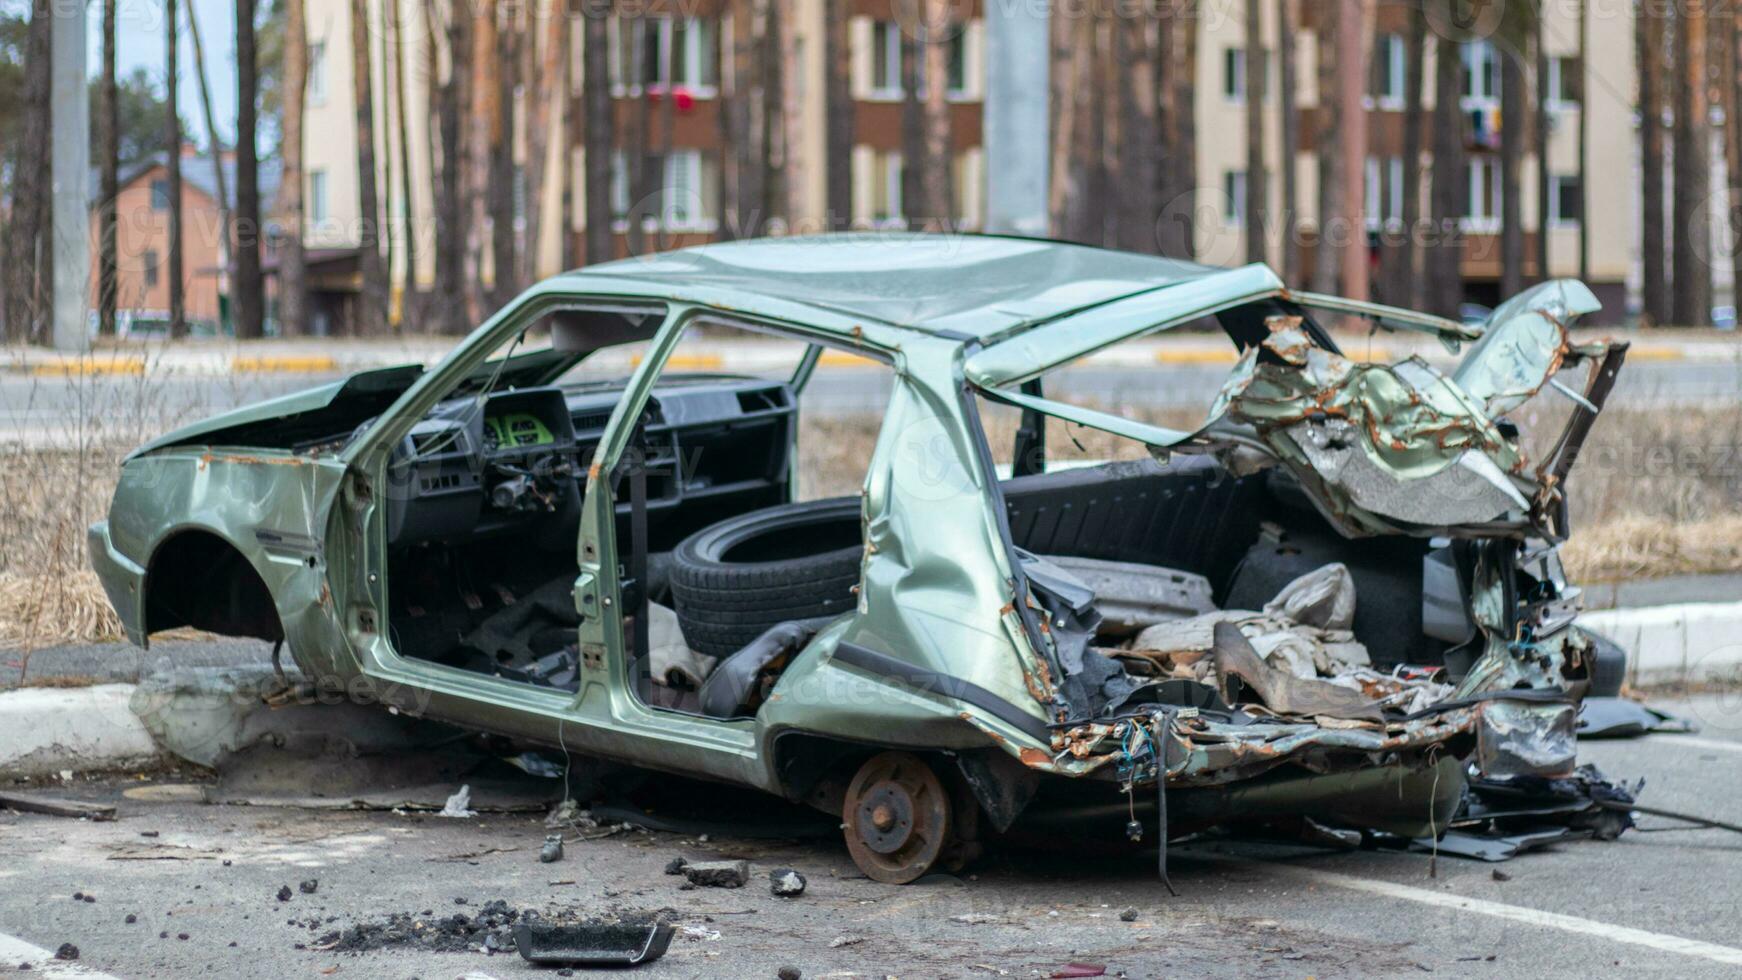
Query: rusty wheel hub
x=897, y=817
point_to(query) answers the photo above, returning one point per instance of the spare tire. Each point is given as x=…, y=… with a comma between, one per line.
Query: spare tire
x=733, y=580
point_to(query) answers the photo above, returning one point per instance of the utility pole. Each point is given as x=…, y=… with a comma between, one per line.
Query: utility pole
x=70, y=160
x=1017, y=94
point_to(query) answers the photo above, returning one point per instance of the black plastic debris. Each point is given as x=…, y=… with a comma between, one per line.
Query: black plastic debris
x=1622, y=718
x=592, y=943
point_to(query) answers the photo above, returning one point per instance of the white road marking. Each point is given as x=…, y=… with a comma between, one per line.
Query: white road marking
x=1697, y=743
x=1518, y=913
x=14, y=951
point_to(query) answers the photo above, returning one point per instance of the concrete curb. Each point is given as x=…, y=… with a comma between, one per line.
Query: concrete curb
x=1690, y=641
x=44, y=731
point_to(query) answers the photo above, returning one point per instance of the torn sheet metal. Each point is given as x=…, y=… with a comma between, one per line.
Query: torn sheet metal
x=1519, y=738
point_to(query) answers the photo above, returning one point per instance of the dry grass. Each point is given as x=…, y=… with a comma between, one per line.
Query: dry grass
x=1657, y=492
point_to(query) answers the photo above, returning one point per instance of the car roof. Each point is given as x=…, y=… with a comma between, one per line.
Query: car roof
x=976, y=285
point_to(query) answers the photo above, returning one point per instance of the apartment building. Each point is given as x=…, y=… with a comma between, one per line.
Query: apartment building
x=142, y=242
x=1603, y=86
x=681, y=52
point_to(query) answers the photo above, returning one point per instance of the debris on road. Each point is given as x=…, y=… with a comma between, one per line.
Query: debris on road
x=717, y=874
x=31, y=803
x=1129, y=915
x=552, y=851
x=592, y=943
x=308, y=887
x=458, y=805
x=490, y=929
x=786, y=882
x=67, y=951
x=284, y=893
x=675, y=866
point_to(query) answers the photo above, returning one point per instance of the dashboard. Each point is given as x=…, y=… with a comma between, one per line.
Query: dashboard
x=517, y=461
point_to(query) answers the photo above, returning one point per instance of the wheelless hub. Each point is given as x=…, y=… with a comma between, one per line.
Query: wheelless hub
x=898, y=818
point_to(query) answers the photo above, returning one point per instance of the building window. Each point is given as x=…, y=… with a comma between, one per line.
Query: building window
x=886, y=59
x=1389, y=69
x=885, y=178
x=1566, y=83
x=1234, y=189
x=643, y=47
x=316, y=92
x=683, y=200
x=1482, y=191
x=886, y=82
x=1384, y=202
x=1481, y=73
x=159, y=194
x=1234, y=73
x=1566, y=200
x=151, y=265
x=317, y=197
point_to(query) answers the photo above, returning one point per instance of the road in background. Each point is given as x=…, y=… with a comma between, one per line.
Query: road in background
x=58, y=411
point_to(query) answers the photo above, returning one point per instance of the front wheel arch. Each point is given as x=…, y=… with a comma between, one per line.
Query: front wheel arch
x=196, y=578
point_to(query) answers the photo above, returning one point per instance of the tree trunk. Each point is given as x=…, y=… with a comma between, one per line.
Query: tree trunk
x=249, y=288
x=1654, y=281
x=481, y=109
x=1351, y=71
x=292, y=268
x=1539, y=127
x=1171, y=226
x=372, y=300
x=740, y=121
x=1288, y=21
x=108, y=163
x=1103, y=134
x=599, y=130
x=547, y=92
x=1136, y=213
x=1513, y=99
x=838, y=90
x=1443, y=246
x=667, y=126
x=1061, y=121
x=388, y=230
x=504, y=262
x=635, y=145
x=1186, y=119
x=1691, y=272
x=295, y=61
x=178, y=321
x=1404, y=288
x=913, y=141
x=448, y=302
x=28, y=240
x=1584, y=139
x=1729, y=33
x=773, y=127
x=939, y=155
x=1330, y=155
x=410, y=306
x=1257, y=186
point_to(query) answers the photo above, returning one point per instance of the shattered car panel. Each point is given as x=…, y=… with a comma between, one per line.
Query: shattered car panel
x=963, y=640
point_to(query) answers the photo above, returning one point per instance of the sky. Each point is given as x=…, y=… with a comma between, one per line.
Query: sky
x=139, y=43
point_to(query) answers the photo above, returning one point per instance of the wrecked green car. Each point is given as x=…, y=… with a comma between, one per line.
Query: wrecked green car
x=1335, y=603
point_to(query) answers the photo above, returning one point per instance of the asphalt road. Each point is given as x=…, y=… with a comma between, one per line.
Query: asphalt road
x=50, y=411
x=1658, y=902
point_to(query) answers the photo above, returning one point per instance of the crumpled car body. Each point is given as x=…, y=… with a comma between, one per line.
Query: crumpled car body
x=968, y=688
